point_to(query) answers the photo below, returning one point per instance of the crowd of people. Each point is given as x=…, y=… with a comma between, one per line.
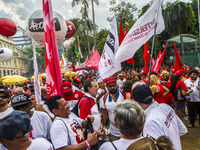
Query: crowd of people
x=127, y=110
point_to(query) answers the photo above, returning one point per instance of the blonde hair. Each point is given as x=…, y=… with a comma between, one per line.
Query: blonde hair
x=154, y=79
x=147, y=143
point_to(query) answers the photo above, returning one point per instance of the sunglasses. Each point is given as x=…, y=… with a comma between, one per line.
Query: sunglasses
x=4, y=97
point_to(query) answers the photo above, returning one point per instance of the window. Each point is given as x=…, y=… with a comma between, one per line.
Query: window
x=8, y=73
x=4, y=73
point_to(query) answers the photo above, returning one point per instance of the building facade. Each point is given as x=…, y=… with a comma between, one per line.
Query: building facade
x=20, y=61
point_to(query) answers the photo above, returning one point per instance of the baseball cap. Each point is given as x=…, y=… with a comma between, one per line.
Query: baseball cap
x=110, y=80
x=20, y=99
x=142, y=94
x=66, y=86
x=5, y=92
x=77, y=80
x=14, y=122
x=178, y=73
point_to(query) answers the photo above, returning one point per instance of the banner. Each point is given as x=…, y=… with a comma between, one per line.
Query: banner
x=94, y=60
x=141, y=32
x=53, y=72
x=107, y=65
x=36, y=77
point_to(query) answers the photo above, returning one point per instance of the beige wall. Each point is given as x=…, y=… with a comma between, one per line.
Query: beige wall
x=19, y=61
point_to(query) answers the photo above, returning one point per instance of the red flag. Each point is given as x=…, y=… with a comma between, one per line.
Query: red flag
x=156, y=62
x=125, y=33
x=121, y=33
x=53, y=72
x=178, y=63
x=42, y=70
x=161, y=59
x=22, y=72
x=146, y=58
x=72, y=67
x=94, y=60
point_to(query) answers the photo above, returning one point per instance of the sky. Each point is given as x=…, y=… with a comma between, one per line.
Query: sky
x=19, y=11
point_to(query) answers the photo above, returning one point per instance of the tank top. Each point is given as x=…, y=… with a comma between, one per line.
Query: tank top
x=159, y=96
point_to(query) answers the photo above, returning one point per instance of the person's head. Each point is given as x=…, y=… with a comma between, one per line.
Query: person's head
x=142, y=94
x=194, y=74
x=154, y=79
x=197, y=68
x=111, y=85
x=67, y=88
x=153, y=72
x=76, y=82
x=129, y=118
x=43, y=91
x=138, y=76
x=22, y=101
x=165, y=75
x=177, y=76
x=101, y=84
x=90, y=87
x=18, y=90
x=58, y=106
x=14, y=126
x=43, y=81
x=33, y=99
x=25, y=88
x=4, y=97
x=147, y=143
x=121, y=76
x=127, y=85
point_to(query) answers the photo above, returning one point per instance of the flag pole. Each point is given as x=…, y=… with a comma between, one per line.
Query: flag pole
x=153, y=43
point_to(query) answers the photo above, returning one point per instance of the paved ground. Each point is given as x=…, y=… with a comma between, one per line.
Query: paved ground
x=191, y=141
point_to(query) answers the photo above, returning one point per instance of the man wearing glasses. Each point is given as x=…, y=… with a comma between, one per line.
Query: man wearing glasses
x=107, y=105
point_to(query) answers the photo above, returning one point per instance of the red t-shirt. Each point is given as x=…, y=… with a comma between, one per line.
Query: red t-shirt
x=159, y=96
x=168, y=98
x=180, y=85
x=73, y=98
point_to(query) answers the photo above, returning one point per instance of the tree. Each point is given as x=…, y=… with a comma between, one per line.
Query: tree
x=178, y=17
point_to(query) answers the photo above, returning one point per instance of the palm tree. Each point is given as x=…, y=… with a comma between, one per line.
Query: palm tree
x=178, y=17
x=94, y=25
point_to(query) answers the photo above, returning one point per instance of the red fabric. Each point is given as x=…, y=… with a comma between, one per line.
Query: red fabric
x=110, y=80
x=94, y=60
x=159, y=96
x=178, y=63
x=156, y=62
x=42, y=70
x=181, y=86
x=22, y=73
x=168, y=98
x=161, y=59
x=130, y=61
x=121, y=33
x=75, y=95
x=85, y=107
x=146, y=58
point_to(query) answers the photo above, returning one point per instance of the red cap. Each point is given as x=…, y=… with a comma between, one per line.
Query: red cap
x=110, y=80
x=143, y=73
x=66, y=86
x=178, y=73
x=77, y=80
x=173, y=70
x=90, y=76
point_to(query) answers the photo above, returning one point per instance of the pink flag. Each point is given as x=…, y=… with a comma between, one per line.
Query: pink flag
x=53, y=72
x=156, y=62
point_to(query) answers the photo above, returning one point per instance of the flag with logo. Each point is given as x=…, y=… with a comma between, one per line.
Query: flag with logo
x=141, y=32
x=107, y=65
x=36, y=77
x=53, y=72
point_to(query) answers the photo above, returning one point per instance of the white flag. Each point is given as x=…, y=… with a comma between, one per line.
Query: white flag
x=36, y=77
x=141, y=32
x=107, y=65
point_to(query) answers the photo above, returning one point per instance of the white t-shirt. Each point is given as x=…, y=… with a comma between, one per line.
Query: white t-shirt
x=162, y=120
x=120, y=83
x=195, y=94
x=40, y=144
x=2, y=115
x=41, y=124
x=121, y=144
x=64, y=133
x=109, y=105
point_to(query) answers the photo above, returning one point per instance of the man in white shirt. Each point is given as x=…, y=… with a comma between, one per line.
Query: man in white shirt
x=120, y=81
x=14, y=129
x=40, y=121
x=129, y=118
x=161, y=120
x=193, y=106
x=107, y=106
x=66, y=130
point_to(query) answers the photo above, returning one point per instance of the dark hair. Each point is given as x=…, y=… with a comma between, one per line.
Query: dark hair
x=88, y=84
x=134, y=81
x=153, y=72
x=129, y=78
x=127, y=85
x=138, y=75
x=193, y=71
x=52, y=102
x=173, y=83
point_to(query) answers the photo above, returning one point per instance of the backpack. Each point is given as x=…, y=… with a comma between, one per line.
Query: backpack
x=75, y=109
x=178, y=94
